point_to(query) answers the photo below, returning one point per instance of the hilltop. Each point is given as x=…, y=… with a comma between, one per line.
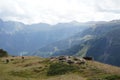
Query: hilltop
x=56, y=68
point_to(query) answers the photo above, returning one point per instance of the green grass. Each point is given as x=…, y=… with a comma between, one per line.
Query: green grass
x=112, y=77
x=106, y=77
x=60, y=68
x=35, y=68
x=83, y=51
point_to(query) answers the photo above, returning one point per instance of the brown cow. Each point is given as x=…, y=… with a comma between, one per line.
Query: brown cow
x=7, y=60
x=88, y=58
x=22, y=57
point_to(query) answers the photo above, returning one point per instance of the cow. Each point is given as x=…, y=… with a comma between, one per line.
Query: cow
x=7, y=60
x=70, y=61
x=22, y=57
x=88, y=58
x=62, y=58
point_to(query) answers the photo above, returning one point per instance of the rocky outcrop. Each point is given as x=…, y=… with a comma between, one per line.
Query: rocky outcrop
x=68, y=60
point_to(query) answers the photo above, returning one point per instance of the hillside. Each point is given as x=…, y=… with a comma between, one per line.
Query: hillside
x=100, y=41
x=36, y=68
x=106, y=49
x=18, y=38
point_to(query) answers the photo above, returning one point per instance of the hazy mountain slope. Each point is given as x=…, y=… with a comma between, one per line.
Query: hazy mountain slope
x=100, y=41
x=78, y=38
x=106, y=49
x=18, y=38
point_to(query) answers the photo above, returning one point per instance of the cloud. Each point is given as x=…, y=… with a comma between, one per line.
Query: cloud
x=54, y=11
x=110, y=6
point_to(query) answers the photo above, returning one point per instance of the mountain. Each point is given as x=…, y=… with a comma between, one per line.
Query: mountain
x=69, y=42
x=97, y=39
x=106, y=49
x=100, y=41
x=21, y=39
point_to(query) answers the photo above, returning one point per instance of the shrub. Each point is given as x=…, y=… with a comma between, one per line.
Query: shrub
x=112, y=77
x=60, y=68
x=3, y=53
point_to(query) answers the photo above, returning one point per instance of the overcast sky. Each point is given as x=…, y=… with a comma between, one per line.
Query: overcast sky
x=54, y=11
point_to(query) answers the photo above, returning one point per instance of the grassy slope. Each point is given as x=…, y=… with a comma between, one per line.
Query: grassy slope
x=34, y=68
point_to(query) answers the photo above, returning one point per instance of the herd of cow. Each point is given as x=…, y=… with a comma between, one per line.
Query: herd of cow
x=7, y=60
x=67, y=59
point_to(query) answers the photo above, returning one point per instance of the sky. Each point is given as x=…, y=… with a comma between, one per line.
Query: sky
x=58, y=11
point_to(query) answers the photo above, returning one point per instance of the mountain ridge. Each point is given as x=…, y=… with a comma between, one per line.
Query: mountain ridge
x=19, y=39
x=88, y=42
